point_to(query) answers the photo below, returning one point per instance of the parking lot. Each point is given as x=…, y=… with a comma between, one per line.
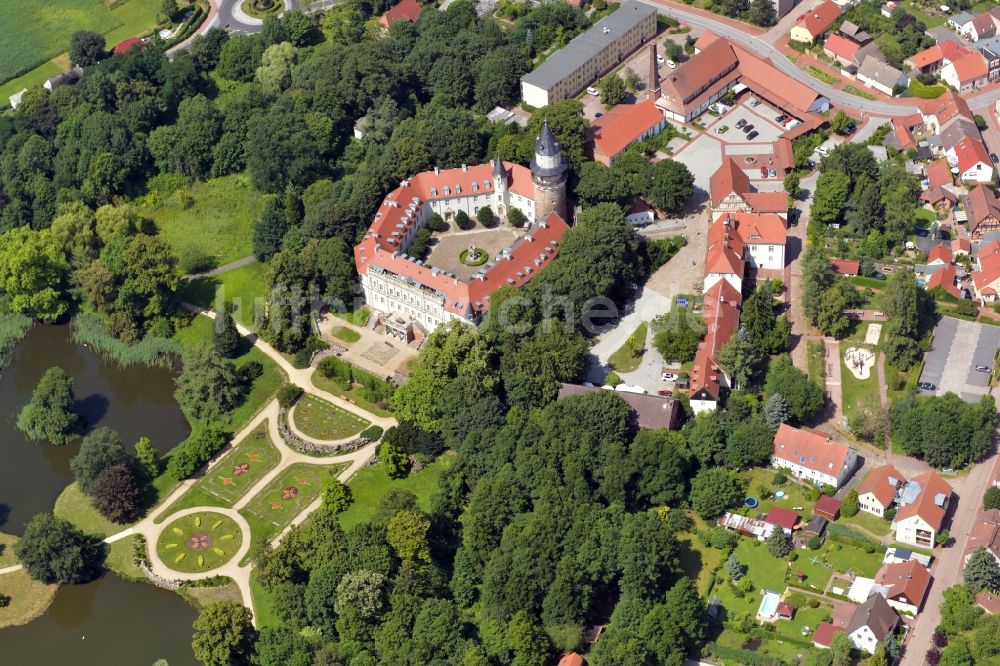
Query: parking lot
x=958, y=347
x=761, y=117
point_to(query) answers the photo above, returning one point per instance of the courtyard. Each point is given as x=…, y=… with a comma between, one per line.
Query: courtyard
x=447, y=247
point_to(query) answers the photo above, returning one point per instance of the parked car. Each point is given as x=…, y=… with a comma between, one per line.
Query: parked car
x=660, y=59
x=593, y=91
x=747, y=128
x=753, y=135
x=993, y=156
x=983, y=368
x=740, y=123
x=926, y=386
x=773, y=173
x=722, y=129
x=754, y=101
x=781, y=119
x=669, y=376
x=598, y=114
x=671, y=64
x=666, y=393
x=763, y=172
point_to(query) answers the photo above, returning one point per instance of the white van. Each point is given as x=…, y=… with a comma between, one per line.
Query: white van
x=593, y=91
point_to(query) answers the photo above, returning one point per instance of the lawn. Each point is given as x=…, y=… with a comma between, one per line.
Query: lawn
x=74, y=506
x=7, y=557
x=918, y=89
x=858, y=92
x=629, y=355
x=320, y=419
x=816, y=359
x=199, y=542
x=219, y=223
x=821, y=74
x=28, y=598
x=119, y=560
x=699, y=562
x=371, y=483
x=242, y=287
x=354, y=394
x=36, y=77
x=235, y=473
x=867, y=521
x=357, y=317
x=263, y=604
x=348, y=335
x=285, y=497
x=857, y=393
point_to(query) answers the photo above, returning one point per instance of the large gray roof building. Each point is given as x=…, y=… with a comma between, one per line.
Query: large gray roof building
x=575, y=66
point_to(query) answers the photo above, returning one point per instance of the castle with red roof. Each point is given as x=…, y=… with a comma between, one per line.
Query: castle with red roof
x=408, y=293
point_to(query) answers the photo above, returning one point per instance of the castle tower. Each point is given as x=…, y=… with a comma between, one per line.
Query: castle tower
x=548, y=173
x=501, y=191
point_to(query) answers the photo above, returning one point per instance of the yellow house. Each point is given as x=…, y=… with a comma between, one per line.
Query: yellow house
x=815, y=23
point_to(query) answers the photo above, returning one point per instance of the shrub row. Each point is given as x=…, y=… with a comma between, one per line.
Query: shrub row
x=373, y=389
x=196, y=450
x=372, y=433
x=741, y=656
x=846, y=535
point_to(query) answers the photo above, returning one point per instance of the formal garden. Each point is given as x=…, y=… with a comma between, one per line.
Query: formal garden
x=319, y=419
x=199, y=542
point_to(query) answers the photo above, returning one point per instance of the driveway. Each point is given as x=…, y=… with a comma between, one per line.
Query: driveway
x=958, y=347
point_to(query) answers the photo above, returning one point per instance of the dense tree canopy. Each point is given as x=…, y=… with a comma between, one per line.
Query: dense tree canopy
x=945, y=431
x=53, y=551
x=49, y=416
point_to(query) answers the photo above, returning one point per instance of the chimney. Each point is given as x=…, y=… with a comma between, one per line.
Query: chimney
x=465, y=168
x=437, y=171
x=654, y=73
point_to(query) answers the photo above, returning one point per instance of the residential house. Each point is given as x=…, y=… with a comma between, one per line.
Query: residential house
x=938, y=113
x=724, y=257
x=731, y=192
x=872, y=623
x=989, y=602
x=641, y=213
x=762, y=235
x=959, y=22
x=940, y=254
x=881, y=76
x=746, y=526
x=968, y=73
x=841, y=49
x=652, y=412
x=571, y=659
x=939, y=183
x=980, y=27
x=721, y=314
x=815, y=22
x=878, y=491
x=72, y=75
x=986, y=278
x=990, y=50
x=622, y=126
x=845, y=266
x=986, y=534
x=827, y=507
x=923, y=504
x=813, y=456
x=973, y=162
x=982, y=209
x=824, y=634
x=906, y=585
x=405, y=10
x=786, y=519
x=961, y=247
x=935, y=57
x=947, y=279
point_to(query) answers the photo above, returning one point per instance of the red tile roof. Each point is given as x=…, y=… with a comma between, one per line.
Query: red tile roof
x=845, y=266
x=406, y=10
x=989, y=265
x=907, y=581
x=728, y=178
x=622, y=125
x=970, y=152
x=982, y=204
x=986, y=534
x=940, y=52
x=971, y=67
x=932, y=487
x=989, y=602
x=757, y=228
x=983, y=23
x=704, y=40
x=781, y=517
x=571, y=659
x=811, y=450
x=841, y=47
x=786, y=610
x=941, y=251
x=767, y=202
x=827, y=505
x=124, y=45
x=944, y=278
x=819, y=20
x=939, y=173
x=946, y=107
x=721, y=313
x=882, y=482
x=825, y=633
x=402, y=207
x=961, y=245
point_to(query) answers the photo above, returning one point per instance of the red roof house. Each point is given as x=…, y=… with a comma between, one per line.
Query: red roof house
x=624, y=125
x=845, y=266
x=571, y=659
x=818, y=20
x=785, y=518
x=828, y=507
x=840, y=49
x=907, y=584
x=406, y=10
x=126, y=44
x=989, y=602
x=824, y=634
x=939, y=254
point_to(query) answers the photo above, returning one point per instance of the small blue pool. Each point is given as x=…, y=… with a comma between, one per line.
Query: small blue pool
x=769, y=605
x=682, y=301
x=750, y=502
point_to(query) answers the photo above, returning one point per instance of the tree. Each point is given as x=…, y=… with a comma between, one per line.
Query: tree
x=832, y=189
x=674, y=336
x=764, y=327
x=801, y=394
x=462, y=220
x=208, y=387
x=672, y=186
x=224, y=635
x=485, y=216
x=225, y=338
x=515, y=217
x=991, y=499
x=362, y=592
x=397, y=465
x=957, y=611
x=53, y=551
x=735, y=568
x=275, y=71
x=269, y=231
x=792, y=187
x=713, y=491
x=776, y=411
x=850, y=506
x=49, y=416
x=33, y=272
x=99, y=450
x=407, y=534
x=282, y=646
x=762, y=13
x=337, y=497
x=740, y=358
x=147, y=459
x=830, y=317
x=613, y=90
x=118, y=495
x=841, y=123
x=749, y=443
x=981, y=572
x=169, y=9
x=86, y=48
x=778, y=543
x=842, y=649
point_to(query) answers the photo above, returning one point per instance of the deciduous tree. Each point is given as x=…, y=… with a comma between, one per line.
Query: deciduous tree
x=53, y=551
x=224, y=635
x=99, y=450
x=49, y=416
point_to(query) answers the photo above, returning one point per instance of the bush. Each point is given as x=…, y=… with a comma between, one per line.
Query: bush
x=463, y=221
x=333, y=368
x=372, y=433
x=196, y=450
x=813, y=602
x=850, y=506
x=779, y=479
x=846, y=535
x=741, y=656
x=815, y=543
x=991, y=500
x=288, y=395
x=721, y=538
x=373, y=389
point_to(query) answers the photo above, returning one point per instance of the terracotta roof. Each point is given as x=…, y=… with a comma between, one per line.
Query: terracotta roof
x=961, y=245
x=785, y=609
x=728, y=178
x=124, y=45
x=971, y=152
x=625, y=123
x=984, y=25
x=841, y=47
x=981, y=204
x=781, y=517
x=989, y=602
x=819, y=20
x=721, y=313
x=930, y=503
x=939, y=173
x=381, y=245
x=825, y=633
x=757, y=228
x=828, y=505
x=406, y=10
x=704, y=40
x=845, y=266
x=725, y=250
x=945, y=278
x=812, y=450
x=653, y=412
x=986, y=534
x=766, y=80
x=907, y=581
x=571, y=659
x=946, y=107
x=882, y=482
x=767, y=202
x=903, y=136
x=940, y=251
x=877, y=615
x=971, y=67
x=989, y=265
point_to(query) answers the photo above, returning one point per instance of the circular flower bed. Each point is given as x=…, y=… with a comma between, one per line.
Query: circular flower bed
x=199, y=542
x=263, y=8
x=474, y=256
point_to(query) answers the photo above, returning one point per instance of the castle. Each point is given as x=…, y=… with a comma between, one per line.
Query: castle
x=412, y=297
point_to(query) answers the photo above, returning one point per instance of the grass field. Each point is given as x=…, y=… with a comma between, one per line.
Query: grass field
x=263, y=604
x=119, y=560
x=74, y=506
x=285, y=497
x=858, y=92
x=821, y=74
x=28, y=598
x=368, y=486
x=219, y=224
x=857, y=393
x=199, y=542
x=227, y=481
x=243, y=287
x=319, y=419
x=7, y=557
x=36, y=32
x=627, y=357
x=330, y=386
x=869, y=522
x=348, y=335
x=357, y=317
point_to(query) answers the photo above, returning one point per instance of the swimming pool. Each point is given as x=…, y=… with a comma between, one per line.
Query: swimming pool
x=769, y=605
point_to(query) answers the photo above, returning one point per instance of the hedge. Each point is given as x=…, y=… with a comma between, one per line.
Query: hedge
x=373, y=389
x=742, y=656
x=372, y=433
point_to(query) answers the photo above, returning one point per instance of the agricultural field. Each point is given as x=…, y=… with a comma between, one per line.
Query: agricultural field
x=36, y=32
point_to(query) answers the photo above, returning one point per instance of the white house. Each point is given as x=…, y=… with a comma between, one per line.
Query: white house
x=764, y=237
x=813, y=456
x=872, y=623
x=878, y=491
x=905, y=585
x=881, y=76
x=15, y=99
x=923, y=504
x=969, y=156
